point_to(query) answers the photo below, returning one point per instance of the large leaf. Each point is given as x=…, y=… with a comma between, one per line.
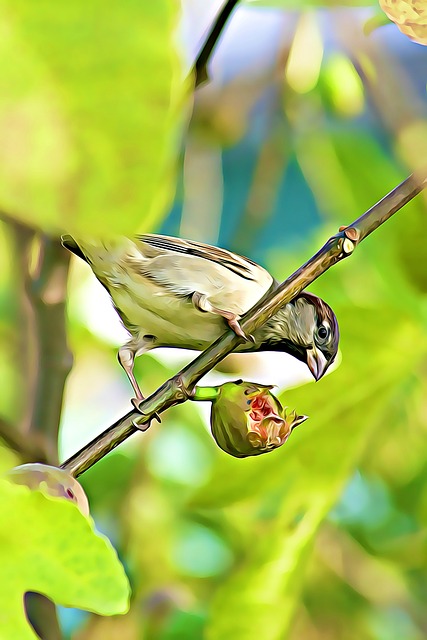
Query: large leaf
x=89, y=108
x=49, y=547
x=259, y=599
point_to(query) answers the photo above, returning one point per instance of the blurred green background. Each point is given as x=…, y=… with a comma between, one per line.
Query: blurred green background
x=308, y=119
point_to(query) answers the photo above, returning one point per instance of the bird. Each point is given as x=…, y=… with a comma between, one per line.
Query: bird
x=172, y=292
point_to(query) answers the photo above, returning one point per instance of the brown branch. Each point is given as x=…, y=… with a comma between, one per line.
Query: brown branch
x=47, y=292
x=200, y=66
x=28, y=448
x=41, y=613
x=44, y=358
x=21, y=238
x=179, y=388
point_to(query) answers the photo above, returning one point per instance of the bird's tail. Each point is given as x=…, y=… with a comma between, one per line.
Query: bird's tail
x=69, y=243
x=99, y=254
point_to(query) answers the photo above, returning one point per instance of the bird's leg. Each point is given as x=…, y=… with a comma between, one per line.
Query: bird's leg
x=126, y=357
x=202, y=303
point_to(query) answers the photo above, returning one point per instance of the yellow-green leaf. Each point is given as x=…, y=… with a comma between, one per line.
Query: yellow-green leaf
x=49, y=547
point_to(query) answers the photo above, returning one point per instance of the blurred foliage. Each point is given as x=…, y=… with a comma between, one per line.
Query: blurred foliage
x=306, y=123
x=80, y=88
x=49, y=547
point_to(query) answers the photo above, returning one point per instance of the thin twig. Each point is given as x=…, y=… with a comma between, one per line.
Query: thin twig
x=178, y=389
x=200, y=66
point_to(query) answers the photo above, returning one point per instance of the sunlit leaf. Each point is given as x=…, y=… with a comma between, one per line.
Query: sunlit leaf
x=259, y=598
x=234, y=481
x=49, y=547
x=328, y=158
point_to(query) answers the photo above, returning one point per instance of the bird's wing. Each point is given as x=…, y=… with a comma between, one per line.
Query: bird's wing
x=163, y=245
x=154, y=268
x=230, y=282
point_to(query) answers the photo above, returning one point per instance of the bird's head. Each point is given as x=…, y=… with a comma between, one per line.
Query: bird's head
x=307, y=329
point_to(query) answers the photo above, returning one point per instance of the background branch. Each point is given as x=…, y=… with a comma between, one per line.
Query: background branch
x=41, y=612
x=178, y=389
x=200, y=66
x=28, y=448
x=21, y=238
x=42, y=355
x=47, y=292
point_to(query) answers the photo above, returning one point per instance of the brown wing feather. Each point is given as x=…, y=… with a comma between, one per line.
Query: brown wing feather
x=241, y=266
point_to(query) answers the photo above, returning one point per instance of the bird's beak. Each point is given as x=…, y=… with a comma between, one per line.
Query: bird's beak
x=316, y=362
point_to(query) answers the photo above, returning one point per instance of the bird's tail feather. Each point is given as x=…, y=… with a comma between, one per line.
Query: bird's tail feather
x=99, y=254
x=69, y=243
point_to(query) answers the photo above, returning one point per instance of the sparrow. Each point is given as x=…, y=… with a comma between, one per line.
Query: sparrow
x=171, y=292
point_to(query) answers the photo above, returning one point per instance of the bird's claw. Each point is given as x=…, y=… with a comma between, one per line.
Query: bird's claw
x=136, y=403
x=144, y=426
x=234, y=324
x=247, y=337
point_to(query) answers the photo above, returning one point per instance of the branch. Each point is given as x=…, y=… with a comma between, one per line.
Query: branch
x=200, y=66
x=43, y=353
x=28, y=448
x=179, y=388
x=47, y=290
x=21, y=239
x=41, y=613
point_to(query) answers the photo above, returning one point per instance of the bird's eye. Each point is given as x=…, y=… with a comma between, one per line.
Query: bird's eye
x=322, y=332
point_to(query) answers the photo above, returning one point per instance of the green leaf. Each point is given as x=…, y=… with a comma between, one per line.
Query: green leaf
x=259, y=599
x=246, y=479
x=49, y=547
x=90, y=105
x=402, y=239
x=265, y=590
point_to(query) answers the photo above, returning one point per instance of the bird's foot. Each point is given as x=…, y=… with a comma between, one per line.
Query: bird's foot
x=137, y=403
x=233, y=323
x=202, y=303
